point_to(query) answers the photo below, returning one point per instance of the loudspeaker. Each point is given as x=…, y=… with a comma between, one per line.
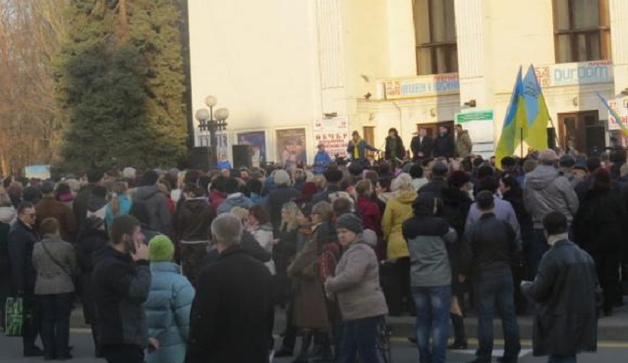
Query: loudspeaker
x=241, y=156
x=551, y=138
x=201, y=158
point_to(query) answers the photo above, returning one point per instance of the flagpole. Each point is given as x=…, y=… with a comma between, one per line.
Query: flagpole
x=521, y=142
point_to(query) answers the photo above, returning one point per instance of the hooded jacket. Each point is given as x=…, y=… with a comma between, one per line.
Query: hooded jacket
x=398, y=210
x=168, y=312
x=546, y=191
x=157, y=207
x=194, y=219
x=427, y=237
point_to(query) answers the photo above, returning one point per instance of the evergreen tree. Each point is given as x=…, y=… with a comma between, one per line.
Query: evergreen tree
x=120, y=79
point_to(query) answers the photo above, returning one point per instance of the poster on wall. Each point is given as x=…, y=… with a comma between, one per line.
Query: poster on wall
x=334, y=134
x=291, y=147
x=222, y=149
x=481, y=128
x=257, y=141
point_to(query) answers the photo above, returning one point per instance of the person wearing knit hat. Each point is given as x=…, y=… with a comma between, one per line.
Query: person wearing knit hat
x=168, y=305
x=350, y=222
x=357, y=288
x=160, y=249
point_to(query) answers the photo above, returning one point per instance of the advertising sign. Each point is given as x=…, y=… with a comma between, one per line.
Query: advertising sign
x=334, y=134
x=291, y=147
x=568, y=74
x=432, y=85
x=257, y=140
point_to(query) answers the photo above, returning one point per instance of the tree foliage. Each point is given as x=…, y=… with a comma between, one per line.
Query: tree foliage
x=120, y=81
x=31, y=34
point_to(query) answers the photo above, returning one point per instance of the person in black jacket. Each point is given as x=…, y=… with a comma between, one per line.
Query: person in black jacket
x=79, y=206
x=93, y=238
x=194, y=217
x=601, y=229
x=121, y=283
x=456, y=205
x=421, y=145
x=438, y=181
x=567, y=290
x=21, y=240
x=491, y=249
x=232, y=313
x=394, y=147
x=512, y=193
x=444, y=144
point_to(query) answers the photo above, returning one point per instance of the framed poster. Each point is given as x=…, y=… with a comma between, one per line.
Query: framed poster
x=257, y=140
x=334, y=134
x=291, y=147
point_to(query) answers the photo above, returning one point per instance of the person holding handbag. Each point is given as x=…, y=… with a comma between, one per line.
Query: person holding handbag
x=56, y=266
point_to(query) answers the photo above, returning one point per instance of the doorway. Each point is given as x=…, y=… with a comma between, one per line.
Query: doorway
x=432, y=128
x=582, y=131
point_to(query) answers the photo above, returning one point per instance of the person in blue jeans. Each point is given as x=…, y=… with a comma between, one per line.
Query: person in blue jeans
x=360, y=297
x=566, y=290
x=490, y=248
x=430, y=274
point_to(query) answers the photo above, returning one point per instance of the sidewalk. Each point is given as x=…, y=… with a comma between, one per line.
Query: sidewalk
x=613, y=328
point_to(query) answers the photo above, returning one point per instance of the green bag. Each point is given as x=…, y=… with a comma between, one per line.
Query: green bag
x=14, y=316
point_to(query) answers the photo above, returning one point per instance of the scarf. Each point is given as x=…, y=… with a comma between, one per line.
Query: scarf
x=356, y=153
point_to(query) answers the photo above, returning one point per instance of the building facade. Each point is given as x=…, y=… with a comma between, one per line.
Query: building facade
x=287, y=68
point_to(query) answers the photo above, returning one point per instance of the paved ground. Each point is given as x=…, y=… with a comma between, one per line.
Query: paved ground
x=610, y=352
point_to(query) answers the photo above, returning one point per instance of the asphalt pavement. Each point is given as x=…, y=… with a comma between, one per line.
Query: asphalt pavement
x=402, y=351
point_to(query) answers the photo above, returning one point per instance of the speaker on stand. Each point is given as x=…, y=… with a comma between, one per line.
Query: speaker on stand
x=201, y=158
x=241, y=156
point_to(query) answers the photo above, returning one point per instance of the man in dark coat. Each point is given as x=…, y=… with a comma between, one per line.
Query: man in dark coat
x=491, y=248
x=22, y=239
x=438, y=181
x=566, y=289
x=79, y=207
x=281, y=195
x=444, y=144
x=421, y=145
x=121, y=283
x=232, y=313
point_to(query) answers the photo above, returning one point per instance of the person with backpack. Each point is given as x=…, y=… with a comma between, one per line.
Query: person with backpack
x=55, y=262
x=120, y=203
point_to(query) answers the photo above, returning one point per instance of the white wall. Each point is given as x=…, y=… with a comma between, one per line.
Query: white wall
x=259, y=59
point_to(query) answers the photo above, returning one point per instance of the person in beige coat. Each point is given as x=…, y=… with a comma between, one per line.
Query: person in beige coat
x=356, y=285
x=55, y=262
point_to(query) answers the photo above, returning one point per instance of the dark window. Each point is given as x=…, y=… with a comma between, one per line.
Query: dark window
x=435, y=34
x=581, y=30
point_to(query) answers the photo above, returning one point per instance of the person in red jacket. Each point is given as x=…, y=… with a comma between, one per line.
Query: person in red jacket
x=366, y=208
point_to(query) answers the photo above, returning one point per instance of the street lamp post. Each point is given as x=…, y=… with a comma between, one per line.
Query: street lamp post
x=211, y=121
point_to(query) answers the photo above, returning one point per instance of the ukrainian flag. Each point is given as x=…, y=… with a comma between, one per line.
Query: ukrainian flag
x=613, y=114
x=537, y=115
x=514, y=123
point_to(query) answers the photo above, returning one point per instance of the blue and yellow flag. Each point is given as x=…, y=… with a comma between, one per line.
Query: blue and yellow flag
x=537, y=115
x=514, y=123
x=614, y=114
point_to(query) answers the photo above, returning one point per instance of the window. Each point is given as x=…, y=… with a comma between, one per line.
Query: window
x=435, y=34
x=581, y=30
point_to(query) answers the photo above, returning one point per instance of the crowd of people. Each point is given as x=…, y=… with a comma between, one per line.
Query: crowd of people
x=178, y=266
